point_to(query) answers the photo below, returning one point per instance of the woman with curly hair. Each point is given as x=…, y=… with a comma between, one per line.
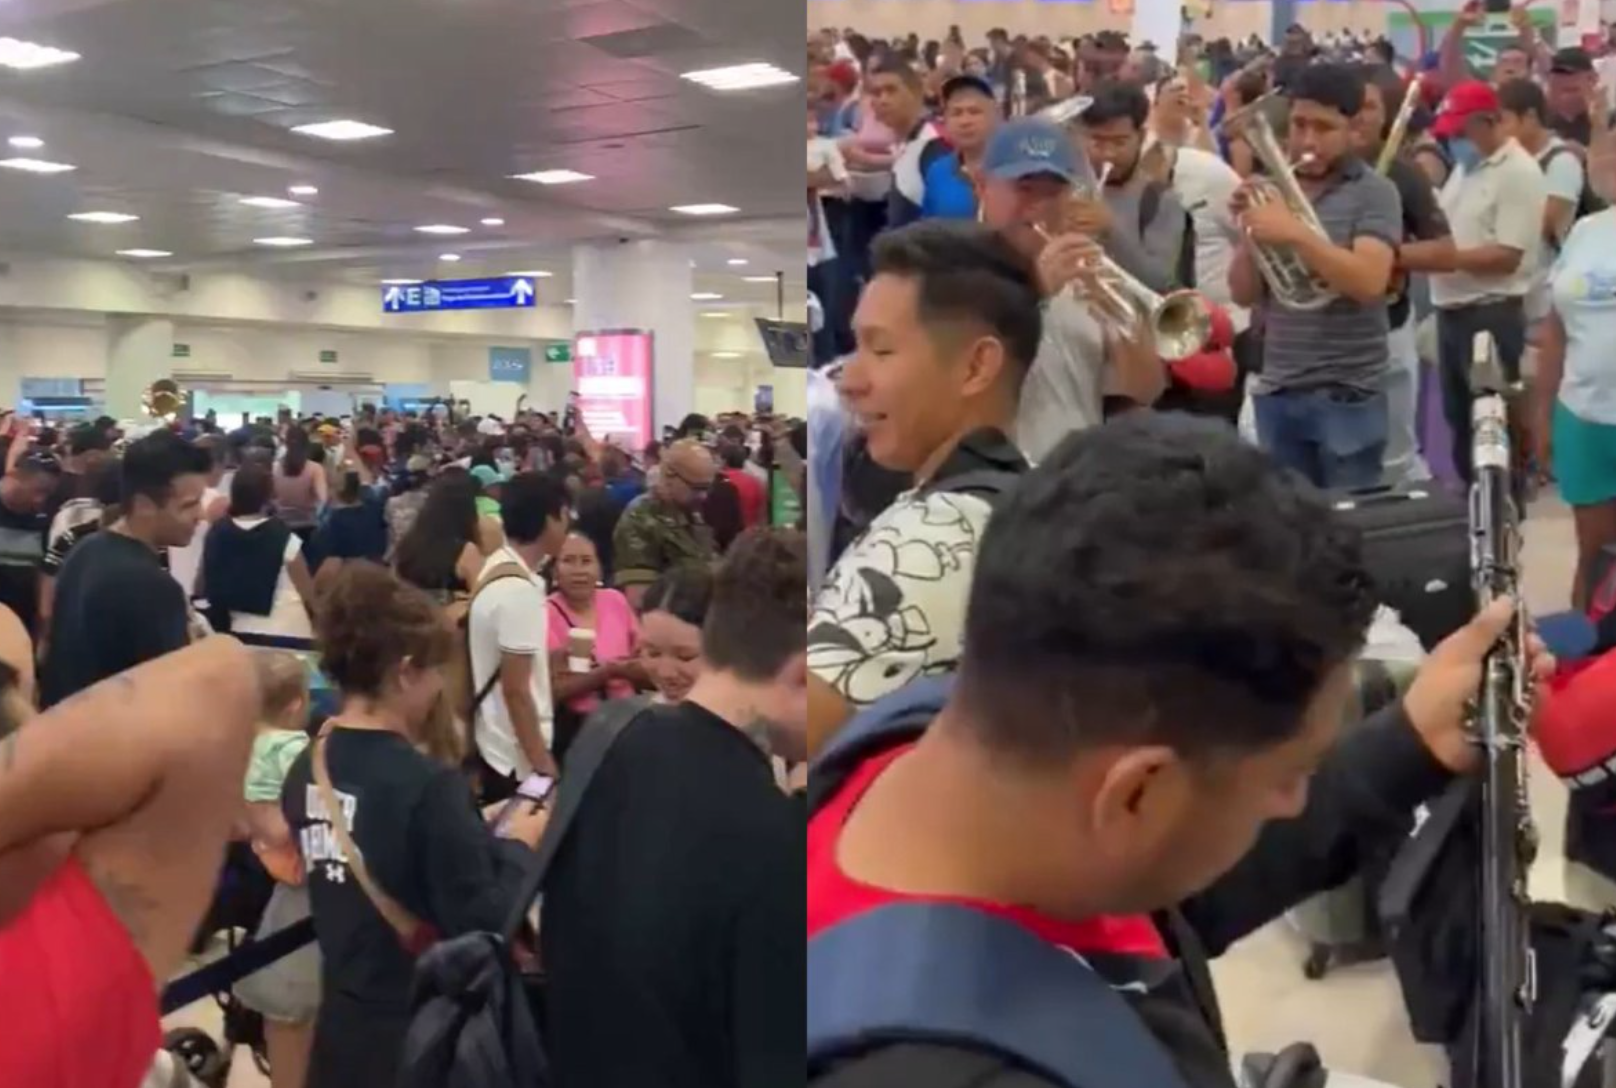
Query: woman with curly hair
x=428, y=866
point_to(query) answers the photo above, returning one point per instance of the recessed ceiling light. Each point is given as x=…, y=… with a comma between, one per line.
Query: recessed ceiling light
x=342, y=130
x=539, y=275
x=144, y=254
x=450, y=257
x=737, y=261
x=401, y=283
x=26, y=143
x=104, y=217
x=442, y=228
x=269, y=202
x=705, y=296
x=493, y=221
x=758, y=279
x=726, y=355
x=714, y=313
x=37, y=166
x=303, y=190
x=703, y=209
x=740, y=77
x=572, y=302
x=553, y=177
x=283, y=243
x=15, y=53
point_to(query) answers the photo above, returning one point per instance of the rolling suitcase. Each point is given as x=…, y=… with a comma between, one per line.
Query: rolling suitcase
x=1416, y=542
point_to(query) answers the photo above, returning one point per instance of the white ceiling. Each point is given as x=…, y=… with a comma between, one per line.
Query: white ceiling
x=181, y=107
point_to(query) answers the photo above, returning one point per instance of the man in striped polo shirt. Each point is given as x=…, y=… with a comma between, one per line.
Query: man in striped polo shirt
x=1320, y=402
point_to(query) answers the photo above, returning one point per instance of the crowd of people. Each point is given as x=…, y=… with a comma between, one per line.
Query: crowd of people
x=1107, y=343
x=434, y=606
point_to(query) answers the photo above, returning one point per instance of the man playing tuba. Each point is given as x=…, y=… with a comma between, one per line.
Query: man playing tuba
x=1321, y=230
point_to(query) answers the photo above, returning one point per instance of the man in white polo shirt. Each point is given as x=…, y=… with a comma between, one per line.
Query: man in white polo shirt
x=510, y=660
x=1494, y=202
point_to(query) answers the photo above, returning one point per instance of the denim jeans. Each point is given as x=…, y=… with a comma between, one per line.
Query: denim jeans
x=1403, y=463
x=1456, y=332
x=1333, y=436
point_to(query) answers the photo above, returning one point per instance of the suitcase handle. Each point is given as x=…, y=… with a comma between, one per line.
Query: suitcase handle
x=1378, y=496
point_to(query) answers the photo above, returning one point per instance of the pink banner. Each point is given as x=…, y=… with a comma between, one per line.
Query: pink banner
x=611, y=373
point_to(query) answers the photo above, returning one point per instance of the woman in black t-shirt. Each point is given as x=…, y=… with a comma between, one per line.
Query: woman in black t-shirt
x=423, y=845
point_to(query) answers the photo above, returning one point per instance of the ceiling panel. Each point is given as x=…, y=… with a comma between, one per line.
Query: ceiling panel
x=180, y=107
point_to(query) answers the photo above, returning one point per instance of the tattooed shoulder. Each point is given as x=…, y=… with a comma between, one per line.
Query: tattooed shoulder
x=130, y=900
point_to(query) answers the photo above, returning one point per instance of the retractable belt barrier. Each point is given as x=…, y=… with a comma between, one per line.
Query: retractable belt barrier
x=220, y=975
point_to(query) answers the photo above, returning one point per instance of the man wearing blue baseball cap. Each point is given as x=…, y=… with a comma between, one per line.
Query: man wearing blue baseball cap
x=1029, y=172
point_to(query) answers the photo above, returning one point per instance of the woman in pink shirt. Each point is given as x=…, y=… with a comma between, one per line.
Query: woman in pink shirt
x=581, y=603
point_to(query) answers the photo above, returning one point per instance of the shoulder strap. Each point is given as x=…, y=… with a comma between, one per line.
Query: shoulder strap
x=957, y=976
x=584, y=758
x=1150, y=198
x=406, y=925
x=988, y=483
x=498, y=574
x=896, y=719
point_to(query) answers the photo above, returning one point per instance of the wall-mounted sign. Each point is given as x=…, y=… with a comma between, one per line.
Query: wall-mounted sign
x=510, y=365
x=558, y=353
x=611, y=373
x=503, y=293
x=182, y=351
x=328, y=356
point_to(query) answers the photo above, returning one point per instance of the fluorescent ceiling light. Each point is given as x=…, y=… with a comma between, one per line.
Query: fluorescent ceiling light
x=37, y=166
x=144, y=254
x=441, y=228
x=493, y=221
x=704, y=209
x=705, y=296
x=741, y=77
x=283, y=243
x=572, y=302
x=23, y=56
x=110, y=218
x=737, y=261
x=269, y=202
x=726, y=355
x=450, y=257
x=758, y=279
x=401, y=283
x=714, y=313
x=532, y=275
x=342, y=130
x=553, y=177
x=26, y=143
x=303, y=190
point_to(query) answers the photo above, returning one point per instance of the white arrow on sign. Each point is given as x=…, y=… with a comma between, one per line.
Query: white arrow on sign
x=393, y=297
x=521, y=291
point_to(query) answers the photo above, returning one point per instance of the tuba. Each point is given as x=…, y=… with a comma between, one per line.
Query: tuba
x=164, y=400
x=1293, y=284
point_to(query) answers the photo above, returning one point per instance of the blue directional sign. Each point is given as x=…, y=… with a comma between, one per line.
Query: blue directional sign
x=505, y=292
x=510, y=364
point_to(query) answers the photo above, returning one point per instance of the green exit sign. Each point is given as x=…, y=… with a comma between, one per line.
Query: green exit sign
x=182, y=351
x=328, y=356
x=558, y=353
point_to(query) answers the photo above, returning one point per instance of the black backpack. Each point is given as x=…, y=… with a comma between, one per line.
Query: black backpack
x=1589, y=202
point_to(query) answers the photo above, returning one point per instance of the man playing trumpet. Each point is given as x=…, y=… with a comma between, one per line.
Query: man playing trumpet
x=1321, y=231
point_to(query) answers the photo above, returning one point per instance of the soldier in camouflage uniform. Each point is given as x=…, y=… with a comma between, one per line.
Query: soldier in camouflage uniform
x=663, y=528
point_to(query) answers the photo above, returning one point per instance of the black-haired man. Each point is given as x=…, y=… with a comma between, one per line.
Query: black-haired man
x=1138, y=220
x=946, y=330
x=898, y=97
x=1137, y=766
x=1320, y=401
x=115, y=605
x=970, y=114
x=674, y=904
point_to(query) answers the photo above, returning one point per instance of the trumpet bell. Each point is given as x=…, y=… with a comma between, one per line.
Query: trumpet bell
x=163, y=400
x=1182, y=325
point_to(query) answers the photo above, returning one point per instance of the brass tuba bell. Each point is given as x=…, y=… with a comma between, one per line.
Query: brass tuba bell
x=164, y=400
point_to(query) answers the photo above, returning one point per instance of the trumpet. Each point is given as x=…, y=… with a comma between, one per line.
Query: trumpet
x=1290, y=280
x=1180, y=322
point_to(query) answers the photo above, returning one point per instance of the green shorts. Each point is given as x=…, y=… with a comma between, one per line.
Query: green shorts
x=1584, y=458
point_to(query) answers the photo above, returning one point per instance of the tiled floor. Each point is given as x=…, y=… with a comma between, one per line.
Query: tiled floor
x=1355, y=1015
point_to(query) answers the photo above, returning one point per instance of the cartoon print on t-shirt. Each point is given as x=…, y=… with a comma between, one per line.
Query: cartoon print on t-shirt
x=893, y=607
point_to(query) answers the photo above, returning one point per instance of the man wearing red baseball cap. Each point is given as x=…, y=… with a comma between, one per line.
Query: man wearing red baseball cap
x=1494, y=202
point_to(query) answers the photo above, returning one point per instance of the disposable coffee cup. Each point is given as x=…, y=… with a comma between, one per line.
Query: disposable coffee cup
x=580, y=649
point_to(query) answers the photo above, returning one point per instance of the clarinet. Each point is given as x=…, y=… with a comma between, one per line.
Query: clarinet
x=1507, y=973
